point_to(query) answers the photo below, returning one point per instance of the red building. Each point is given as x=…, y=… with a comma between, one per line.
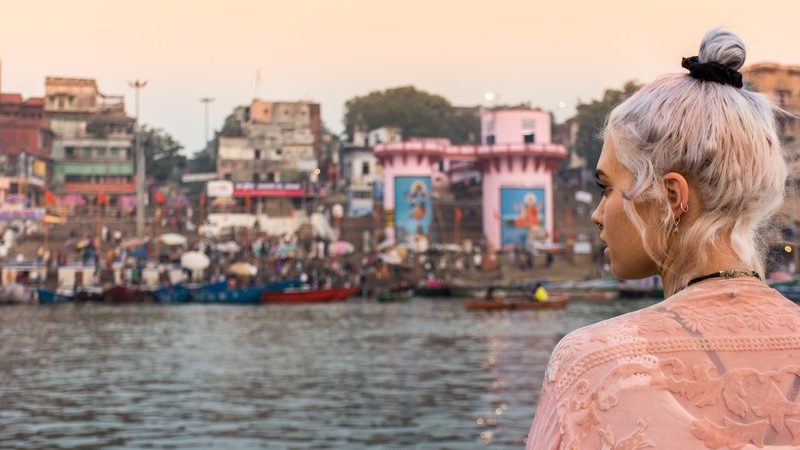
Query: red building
x=23, y=127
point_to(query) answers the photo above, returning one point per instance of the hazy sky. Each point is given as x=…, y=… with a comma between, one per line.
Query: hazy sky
x=331, y=50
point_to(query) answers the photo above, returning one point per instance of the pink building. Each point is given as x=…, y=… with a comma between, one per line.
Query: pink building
x=516, y=164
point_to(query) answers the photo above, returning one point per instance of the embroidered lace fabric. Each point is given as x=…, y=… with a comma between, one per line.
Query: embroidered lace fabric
x=716, y=365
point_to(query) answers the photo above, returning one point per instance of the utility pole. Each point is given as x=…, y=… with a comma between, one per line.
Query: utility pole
x=140, y=175
x=206, y=101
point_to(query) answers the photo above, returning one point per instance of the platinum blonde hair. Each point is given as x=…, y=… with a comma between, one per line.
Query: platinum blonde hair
x=724, y=141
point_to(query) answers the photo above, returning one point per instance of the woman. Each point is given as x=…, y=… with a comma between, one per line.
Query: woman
x=691, y=171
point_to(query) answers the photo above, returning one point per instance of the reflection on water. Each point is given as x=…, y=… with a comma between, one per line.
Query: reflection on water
x=426, y=374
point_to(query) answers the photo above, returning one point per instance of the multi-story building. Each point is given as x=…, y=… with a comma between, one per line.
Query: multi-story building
x=93, y=144
x=362, y=175
x=25, y=143
x=279, y=152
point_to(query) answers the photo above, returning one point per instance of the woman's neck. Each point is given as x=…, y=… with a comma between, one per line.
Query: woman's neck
x=723, y=260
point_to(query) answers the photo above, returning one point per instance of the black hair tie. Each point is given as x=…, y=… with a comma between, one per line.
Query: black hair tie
x=712, y=71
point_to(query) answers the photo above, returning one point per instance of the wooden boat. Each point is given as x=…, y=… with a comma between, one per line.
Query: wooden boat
x=555, y=302
x=182, y=293
x=175, y=293
x=316, y=296
x=122, y=293
x=16, y=293
x=242, y=295
x=345, y=293
x=396, y=296
x=48, y=297
x=433, y=288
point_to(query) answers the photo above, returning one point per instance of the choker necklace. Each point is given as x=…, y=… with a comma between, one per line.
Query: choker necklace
x=725, y=274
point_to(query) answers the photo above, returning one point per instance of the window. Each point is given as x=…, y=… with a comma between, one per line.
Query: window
x=87, y=152
x=529, y=138
x=279, y=151
x=365, y=168
x=101, y=152
x=228, y=176
x=490, y=139
x=256, y=177
x=490, y=127
x=257, y=154
x=69, y=152
x=271, y=177
x=114, y=152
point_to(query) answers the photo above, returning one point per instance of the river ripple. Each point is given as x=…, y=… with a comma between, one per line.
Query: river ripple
x=358, y=375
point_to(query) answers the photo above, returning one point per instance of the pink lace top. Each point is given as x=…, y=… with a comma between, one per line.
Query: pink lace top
x=716, y=365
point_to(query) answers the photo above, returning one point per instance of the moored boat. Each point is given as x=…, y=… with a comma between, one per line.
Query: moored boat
x=308, y=296
x=555, y=302
x=395, y=296
x=242, y=295
x=124, y=294
x=48, y=297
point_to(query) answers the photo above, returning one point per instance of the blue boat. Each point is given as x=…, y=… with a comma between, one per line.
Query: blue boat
x=48, y=297
x=242, y=295
x=182, y=293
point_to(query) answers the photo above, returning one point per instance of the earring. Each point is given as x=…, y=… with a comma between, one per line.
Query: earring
x=684, y=208
x=675, y=226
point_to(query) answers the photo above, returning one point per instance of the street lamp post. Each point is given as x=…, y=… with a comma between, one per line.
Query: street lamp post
x=206, y=101
x=140, y=167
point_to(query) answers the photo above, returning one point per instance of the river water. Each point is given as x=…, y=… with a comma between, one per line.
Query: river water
x=357, y=375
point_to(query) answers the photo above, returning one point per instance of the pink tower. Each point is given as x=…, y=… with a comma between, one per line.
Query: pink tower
x=516, y=160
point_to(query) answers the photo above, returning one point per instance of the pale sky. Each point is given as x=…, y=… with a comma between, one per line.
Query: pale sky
x=331, y=50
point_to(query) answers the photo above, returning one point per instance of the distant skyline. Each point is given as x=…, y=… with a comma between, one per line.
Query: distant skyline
x=331, y=50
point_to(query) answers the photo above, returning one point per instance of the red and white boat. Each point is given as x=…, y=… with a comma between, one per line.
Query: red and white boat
x=318, y=296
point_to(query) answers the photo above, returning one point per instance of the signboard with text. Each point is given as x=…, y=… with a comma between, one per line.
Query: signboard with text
x=244, y=189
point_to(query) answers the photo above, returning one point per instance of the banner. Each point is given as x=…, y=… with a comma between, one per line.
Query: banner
x=413, y=208
x=219, y=188
x=268, y=189
x=522, y=219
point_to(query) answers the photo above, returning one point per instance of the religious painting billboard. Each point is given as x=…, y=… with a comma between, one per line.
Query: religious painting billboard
x=413, y=207
x=522, y=217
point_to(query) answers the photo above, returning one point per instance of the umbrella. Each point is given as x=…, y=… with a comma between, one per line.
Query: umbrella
x=178, y=200
x=195, y=260
x=223, y=201
x=339, y=248
x=72, y=200
x=228, y=247
x=173, y=239
x=133, y=242
x=127, y=201
x=17, y=199
x=243, y=269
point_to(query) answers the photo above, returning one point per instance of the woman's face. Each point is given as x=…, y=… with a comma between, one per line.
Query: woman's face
x=624, y=244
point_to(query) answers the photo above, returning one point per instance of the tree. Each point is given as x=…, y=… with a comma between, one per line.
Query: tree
x=162, y=154
x=591, y=118
x=418, y=113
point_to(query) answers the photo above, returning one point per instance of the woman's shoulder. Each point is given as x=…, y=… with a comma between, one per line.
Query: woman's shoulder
x=594, y=344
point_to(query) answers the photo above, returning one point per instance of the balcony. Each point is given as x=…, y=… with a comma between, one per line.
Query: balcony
x=106, y=188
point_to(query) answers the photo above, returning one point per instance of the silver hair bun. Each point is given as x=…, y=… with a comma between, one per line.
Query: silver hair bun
x=722, y=46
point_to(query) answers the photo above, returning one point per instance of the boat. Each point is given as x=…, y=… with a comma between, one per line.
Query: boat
x=555, y=302
x=395, y=296
x=308, y=296
x=345, y=293
x=241, y=295
x=433, y=288
x=122, y=293
x=16, y=293
x=174, y=293
x=48, y=297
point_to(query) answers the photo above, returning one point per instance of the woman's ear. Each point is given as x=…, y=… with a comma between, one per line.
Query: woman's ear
x=677, y=193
